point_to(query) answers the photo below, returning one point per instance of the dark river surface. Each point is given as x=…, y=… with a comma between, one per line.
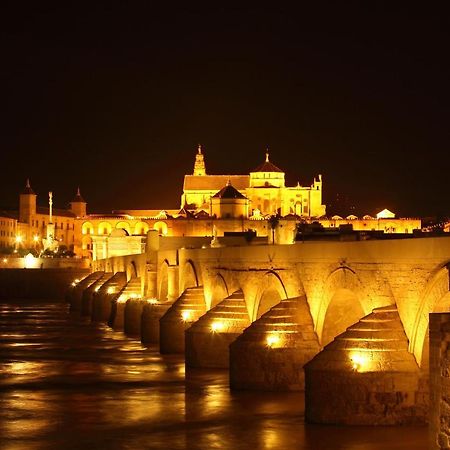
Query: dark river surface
x=68, y=384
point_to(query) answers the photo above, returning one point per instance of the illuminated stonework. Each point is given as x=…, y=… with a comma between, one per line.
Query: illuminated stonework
x=264, y=187
x=367, y=376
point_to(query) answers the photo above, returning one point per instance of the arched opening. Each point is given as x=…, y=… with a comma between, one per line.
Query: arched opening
x=219, y=290
x=163, y=282
x=141, y=228
x=131, y=271
x=104, y=228
x=435, y=299
x=442, y=306
x=343, y=310
x=87, y=228
x=269, y=299
x=124, y=226
x=190, y=278
x=271, y=293
x=161, y=228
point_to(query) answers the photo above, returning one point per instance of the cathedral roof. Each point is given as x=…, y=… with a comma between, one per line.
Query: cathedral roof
x=27, y=189
x=229, y=192
x=215, y=182
x=267, y=166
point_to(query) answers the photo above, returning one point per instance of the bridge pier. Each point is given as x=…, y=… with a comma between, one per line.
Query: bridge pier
x=76, y=294
x=180, y=316
x=151, y=314
x=367, y=376
x=89, y=293
x=132, y=316
x=271, y=353
x=208, y=339
x=101, y=307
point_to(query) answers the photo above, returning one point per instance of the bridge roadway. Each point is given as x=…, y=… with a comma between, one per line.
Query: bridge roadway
x=346, y=321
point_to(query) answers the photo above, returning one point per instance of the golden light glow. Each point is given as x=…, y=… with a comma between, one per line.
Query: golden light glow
x=111, y=290
x=18, y=239
x=133, y=295
x=5, y=260
x=35, y=238
x=97, y=289
x=217, y=326
x=152, y=301
x=186, y=315
x=29, y=261
x=273, y=340
x=359, y=361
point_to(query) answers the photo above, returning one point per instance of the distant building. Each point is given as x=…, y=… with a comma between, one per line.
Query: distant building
x=211, y=205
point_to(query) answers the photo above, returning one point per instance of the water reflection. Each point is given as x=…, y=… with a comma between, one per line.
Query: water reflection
x=76, y=385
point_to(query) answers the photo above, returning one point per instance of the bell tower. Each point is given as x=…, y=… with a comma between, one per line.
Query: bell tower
x=199, y=166
x=78, y=205
x=27, y=204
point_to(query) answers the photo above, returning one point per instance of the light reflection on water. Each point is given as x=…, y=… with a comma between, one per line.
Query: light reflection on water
x=76, y=385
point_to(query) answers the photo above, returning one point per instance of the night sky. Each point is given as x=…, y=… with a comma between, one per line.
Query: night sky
x=116, y=97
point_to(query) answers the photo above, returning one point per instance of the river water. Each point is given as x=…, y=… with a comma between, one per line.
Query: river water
x=66, y=383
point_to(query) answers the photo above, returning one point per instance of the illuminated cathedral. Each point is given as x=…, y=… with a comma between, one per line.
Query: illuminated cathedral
x=211, y=205
x=264, y=188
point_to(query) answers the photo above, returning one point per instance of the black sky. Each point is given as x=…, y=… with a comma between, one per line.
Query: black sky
x=116, y=97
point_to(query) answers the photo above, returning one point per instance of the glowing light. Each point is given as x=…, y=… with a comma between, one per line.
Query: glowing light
x=5, y=260
x=133, y=295
x=111, y=290
x=18, y=239
x=186, y=315
x=76, y=281
x=36, y=238
x=97, y=289
x=359, y=361
x=273, y=340
x=217, y=326
x=29, y=260
x=152, y=301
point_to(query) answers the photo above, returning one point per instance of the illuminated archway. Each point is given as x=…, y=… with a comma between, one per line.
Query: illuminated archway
x=124, y=226
x=271, y=292
x=190, y=278
x=87, y=228
x=104, y=228
x=435, y=299
x=86, y=243
x=131, y=270
x=342, y=304
x=141, y=228
x=219, y=291
x=161, y=228
x=163, y=282
x=343, y=311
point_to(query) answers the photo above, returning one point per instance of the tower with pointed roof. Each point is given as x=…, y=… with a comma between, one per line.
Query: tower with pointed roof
x=27, y=204
x=199, y=165
x=78, y=205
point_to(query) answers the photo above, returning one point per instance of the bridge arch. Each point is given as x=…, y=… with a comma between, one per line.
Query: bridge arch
x=163, y=281
x=190, y=278
x=436, y=298
x=341, y=305
x=218, y=290
x=271, y=292
x=131, y=270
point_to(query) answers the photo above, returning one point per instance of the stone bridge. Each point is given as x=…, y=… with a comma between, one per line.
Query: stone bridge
x=346, y=321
